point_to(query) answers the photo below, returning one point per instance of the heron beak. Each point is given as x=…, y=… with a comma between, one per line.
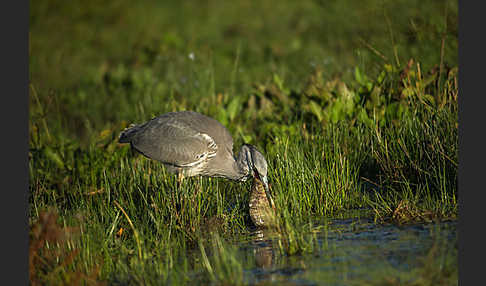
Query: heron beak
x=264, y=179
x=267, y=191
x=265, y=183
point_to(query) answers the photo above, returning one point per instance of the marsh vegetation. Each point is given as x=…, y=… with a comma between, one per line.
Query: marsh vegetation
x=354, y=105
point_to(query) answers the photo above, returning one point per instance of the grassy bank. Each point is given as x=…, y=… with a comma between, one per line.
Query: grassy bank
x=353, y=108
x=403, y=166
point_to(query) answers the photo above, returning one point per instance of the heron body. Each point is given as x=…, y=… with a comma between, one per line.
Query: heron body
x=190, y=144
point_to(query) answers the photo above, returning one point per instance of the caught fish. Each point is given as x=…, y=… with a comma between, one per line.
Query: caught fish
x=262, y=207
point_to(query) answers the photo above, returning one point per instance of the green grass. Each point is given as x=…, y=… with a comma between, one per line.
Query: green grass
x=354, y=107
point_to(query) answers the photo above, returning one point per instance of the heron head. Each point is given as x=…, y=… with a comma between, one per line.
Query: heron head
x=256, y=163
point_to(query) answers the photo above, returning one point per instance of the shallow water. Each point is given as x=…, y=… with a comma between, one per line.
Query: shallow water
x=352, y=250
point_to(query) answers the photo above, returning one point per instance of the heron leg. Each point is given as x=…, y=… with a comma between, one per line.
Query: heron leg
x=180, y=178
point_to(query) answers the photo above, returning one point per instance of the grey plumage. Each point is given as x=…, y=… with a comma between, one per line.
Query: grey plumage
x=190, y=144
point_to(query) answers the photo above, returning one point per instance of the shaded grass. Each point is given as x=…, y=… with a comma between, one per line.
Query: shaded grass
x=90, y=75
x=52, y=251
x=418, y=162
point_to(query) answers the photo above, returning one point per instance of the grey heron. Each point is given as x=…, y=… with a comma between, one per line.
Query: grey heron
x=190, y=144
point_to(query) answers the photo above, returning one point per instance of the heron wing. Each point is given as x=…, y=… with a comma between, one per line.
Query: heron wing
x=173, y=142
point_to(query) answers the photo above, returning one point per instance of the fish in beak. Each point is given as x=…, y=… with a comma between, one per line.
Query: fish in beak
x=264, y=180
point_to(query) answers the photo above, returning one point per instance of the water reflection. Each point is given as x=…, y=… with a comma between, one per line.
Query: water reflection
x=270, y=265
x=349, y=249
x=264, y=253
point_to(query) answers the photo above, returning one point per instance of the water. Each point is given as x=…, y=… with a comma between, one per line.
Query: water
x=354, y=250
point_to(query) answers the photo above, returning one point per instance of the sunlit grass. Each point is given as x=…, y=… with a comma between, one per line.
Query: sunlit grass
x=136, y=210
x=138, y=213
